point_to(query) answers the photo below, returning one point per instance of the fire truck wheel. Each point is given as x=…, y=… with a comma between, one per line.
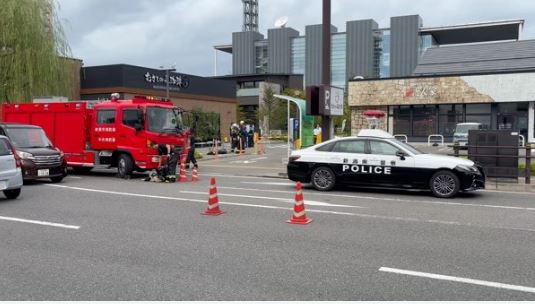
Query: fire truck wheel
x=125, y=166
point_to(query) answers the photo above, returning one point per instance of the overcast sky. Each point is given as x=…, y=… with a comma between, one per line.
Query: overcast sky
x=155, y=33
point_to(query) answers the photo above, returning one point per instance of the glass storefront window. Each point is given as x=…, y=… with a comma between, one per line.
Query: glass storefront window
x=424, y=120
x=478, y=108
x=513, y=116
x=483, y=119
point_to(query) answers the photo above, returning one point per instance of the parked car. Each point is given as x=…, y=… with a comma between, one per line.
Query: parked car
x=461, y=131
x=10, y=169
x=375, y=158
x=39, y=158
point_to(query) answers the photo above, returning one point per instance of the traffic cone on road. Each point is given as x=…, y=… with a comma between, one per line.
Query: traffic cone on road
x=299, y=217
x=213, y=200
x=182, y=177
x=194, y=174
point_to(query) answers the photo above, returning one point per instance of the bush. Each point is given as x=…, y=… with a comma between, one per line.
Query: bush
x=198, y=155
x=523, y=166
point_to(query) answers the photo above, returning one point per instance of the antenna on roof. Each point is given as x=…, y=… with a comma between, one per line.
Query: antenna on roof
x=281, y=22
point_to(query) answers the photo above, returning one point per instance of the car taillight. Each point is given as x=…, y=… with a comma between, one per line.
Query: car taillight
x=17, y=158
x=294, y=157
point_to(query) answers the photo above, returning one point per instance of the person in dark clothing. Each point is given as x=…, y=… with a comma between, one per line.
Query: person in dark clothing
x=234, y=137
x=191, y=154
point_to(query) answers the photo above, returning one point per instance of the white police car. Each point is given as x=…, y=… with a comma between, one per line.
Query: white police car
x=375, y=158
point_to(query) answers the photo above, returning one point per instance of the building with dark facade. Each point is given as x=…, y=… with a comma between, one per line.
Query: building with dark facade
x=364, y=49
x=186, y=91
x=402, y=49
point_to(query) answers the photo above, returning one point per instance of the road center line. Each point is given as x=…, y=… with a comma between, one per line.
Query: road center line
x=458, y=279
x=390, y=199
x=42, y=223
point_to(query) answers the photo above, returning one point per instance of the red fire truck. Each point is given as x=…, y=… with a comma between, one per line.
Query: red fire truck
x=115, y=133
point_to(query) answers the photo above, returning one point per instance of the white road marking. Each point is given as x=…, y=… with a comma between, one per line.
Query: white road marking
x=241, y=176
x=362, y=215
x=248, y=167
x=269, y=183
x=286, y=200
x=243, y=162
x=384, y=198
x=458, y=279
x=42, y=223
x=75, y=177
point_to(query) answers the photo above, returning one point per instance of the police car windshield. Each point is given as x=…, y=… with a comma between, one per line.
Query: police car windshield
x=409, y=148
x=162, y=120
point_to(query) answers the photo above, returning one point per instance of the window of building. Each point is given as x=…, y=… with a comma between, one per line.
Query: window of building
x=261, y=52
x=402, y=120
x=449, y=116
x=298, y=55
x=130, y=117
x=382, y=53
x=513, y=116
x=426, y=41
x=105, y=117
x=424, y=120
x=338, y=60
x=350, y=146
x=480, y=113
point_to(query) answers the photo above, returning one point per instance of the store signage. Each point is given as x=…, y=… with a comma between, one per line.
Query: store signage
x=179, y=81
x=421, y=92
x=331, y=101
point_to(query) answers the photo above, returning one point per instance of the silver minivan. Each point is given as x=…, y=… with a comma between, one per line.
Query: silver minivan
x=10, y=169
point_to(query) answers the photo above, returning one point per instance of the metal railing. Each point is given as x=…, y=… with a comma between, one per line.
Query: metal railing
x=527, y=147
x=403, y=136
x=435, y=135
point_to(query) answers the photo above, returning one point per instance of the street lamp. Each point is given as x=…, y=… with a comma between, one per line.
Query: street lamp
x=172, y=69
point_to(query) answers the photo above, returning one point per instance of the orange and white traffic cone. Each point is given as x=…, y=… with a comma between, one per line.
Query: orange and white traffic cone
x=194, y=174
x=182, y=177
x=299, y=217
x=213, y=201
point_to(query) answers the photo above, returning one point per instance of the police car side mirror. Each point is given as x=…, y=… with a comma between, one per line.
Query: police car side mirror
x=401, y=154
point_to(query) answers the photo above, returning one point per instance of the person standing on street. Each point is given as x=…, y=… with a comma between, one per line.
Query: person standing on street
x=317, y=132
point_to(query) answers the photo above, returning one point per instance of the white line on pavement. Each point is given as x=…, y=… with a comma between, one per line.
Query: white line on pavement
x=286, y=200
x=458, y=279
x=20, y=220
x=362, y=215
x=269, y=183
x=389, y=199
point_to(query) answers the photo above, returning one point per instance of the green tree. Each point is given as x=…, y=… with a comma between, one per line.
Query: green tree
x=33, y=51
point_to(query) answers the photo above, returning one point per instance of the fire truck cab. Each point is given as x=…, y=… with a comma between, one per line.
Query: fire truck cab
x=124, y=134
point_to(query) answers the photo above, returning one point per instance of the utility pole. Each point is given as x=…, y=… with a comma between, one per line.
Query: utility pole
x=326, y=64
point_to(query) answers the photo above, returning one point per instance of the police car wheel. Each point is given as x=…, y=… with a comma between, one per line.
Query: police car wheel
x=323, y=179
x=444, y=184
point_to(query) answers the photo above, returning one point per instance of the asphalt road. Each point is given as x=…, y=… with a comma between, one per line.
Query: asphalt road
x=97, y=237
